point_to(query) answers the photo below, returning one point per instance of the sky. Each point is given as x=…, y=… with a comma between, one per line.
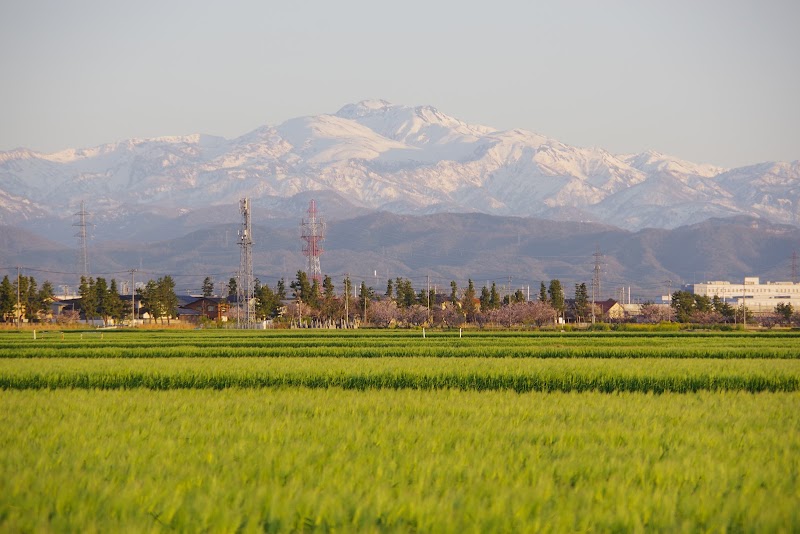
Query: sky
x=707, y=81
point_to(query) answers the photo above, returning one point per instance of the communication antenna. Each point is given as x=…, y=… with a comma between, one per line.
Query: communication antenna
x=82, y=223
x=244, y=286
x=598, y=258
x=313, y=233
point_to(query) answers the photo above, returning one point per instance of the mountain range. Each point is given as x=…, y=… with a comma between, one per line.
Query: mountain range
x=374, y=155
x=515, y=252
x=407, y=191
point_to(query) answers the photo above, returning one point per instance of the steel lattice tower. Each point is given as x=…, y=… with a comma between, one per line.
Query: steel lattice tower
x=83, y=253
x=244, y=286
x=313, y=233
x=598, y=257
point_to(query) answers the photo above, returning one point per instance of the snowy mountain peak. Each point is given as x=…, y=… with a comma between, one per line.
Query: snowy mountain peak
x=380, y=155
x=364, y=108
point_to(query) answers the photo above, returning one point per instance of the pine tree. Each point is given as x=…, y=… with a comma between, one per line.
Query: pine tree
x=556, y=295
x=208, y=287
x=485, y=298
x=280, y=290
x=389, y=289
x=29, y=299
x=543, y=293
x=101, y=296
x=167, y=296
x=301, y=287
x=581, y=301
x=88, y=298
x=494, y=300
x=468, y=302
x=8, y=299
x=267, y=302
x=114, y=305
x=453, y=292
x=329, y=292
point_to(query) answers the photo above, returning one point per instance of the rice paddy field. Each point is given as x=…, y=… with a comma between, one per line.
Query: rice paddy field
x=390, y=431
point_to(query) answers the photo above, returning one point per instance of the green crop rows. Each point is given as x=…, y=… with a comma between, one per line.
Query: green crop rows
x=389, y=431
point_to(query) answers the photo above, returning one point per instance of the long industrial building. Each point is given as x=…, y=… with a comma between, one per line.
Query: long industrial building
x=757, y=297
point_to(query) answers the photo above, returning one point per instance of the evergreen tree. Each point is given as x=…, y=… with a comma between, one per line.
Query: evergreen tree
x=208, y=287
x=114, y=305
x=88, y=297
x=389, y=289
x=314, y=295
x=29, y=299
x=543, y=293
x=556, y=296
x=148, y=299
x=301, y=287
x=581, y=301
x=468, y=302
x=365, y=294
x=683, y=303
x=8, y=299
x=280, y=290
x=267, y=302
x=233, y=287
x=101, y=297
x=405, y=293
x=485, y=298
x=723, y=308
x=328, y=290
x=494, y=299
x=167, y=296
x=453, y=292
x=519, y=296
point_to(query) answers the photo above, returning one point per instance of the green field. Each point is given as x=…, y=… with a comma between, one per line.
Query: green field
x=386, y=431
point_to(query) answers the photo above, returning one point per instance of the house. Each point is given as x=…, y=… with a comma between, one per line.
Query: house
x=610, y=310
x=214, y=308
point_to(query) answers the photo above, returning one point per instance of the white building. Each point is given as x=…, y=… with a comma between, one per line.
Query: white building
x=758, y=297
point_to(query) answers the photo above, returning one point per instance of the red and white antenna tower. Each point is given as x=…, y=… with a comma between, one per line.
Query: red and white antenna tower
x=313, y=233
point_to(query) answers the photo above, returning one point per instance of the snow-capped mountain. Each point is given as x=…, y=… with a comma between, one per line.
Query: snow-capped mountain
x=377, y=155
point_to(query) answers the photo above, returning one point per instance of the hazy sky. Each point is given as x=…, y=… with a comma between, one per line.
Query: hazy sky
x=708, y=81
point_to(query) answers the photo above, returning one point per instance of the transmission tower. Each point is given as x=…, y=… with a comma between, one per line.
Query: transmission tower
x=313, y=233
x=83, y=252
x=244, y=287
x=598, y=258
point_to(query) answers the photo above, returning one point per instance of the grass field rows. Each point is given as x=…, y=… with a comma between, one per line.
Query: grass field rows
x=520, y=375
x=384, y=431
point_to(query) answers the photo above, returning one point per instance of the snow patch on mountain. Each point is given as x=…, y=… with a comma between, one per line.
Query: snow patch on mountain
x=381, y=155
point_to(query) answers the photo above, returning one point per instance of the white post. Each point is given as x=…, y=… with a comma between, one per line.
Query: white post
x=423, y=333
x=459, y=332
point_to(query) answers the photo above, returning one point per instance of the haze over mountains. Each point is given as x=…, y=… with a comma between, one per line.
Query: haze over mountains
x=407, y=161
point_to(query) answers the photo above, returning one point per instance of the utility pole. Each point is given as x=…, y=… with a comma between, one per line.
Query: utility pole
x=245, y=285
x=744, y=306
x=346, y=298
x=133, y=297
x=669, y=300
x=598, y=256
x=19, y=309
x=428, y=277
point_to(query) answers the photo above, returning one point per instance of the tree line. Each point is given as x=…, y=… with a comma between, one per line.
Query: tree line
x=402, y=304
x=34, y=301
